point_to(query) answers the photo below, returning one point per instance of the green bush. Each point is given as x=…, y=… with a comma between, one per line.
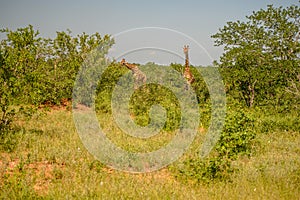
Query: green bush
x=273, y=122
x=236, y=139
x=36, y=70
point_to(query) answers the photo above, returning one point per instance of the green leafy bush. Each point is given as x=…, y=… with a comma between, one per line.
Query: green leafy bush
x=236, y=139
x=280, y=122
x=36, y=70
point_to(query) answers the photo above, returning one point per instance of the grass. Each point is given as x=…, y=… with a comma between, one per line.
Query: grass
x=50, y=162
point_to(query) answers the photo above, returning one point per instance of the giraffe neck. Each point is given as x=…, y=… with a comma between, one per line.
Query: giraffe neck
x=132, y=67
x=187, y=63
x=138, y=75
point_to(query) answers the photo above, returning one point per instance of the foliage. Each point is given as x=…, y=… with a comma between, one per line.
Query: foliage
x=270, y=121
x=36, y=70
x=106, y=85
x=236, y=139
x=260, y=66
x=293, y=89
x=261, y=54
x=199, y=85
x=142, y=99
x=237, y=135
x=89, y=74
x=145, y=97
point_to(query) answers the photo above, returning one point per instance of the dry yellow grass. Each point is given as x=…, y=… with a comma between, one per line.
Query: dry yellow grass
x=50, y=162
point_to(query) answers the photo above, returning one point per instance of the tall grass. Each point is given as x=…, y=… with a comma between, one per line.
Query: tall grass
x=50, y=162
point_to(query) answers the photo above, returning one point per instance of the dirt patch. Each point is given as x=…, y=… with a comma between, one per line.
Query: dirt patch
x=65, y=104
x=202, y=130
x=81, y=107
x=41, y=174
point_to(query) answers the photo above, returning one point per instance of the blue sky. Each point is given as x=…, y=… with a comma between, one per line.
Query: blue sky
x=181, y=22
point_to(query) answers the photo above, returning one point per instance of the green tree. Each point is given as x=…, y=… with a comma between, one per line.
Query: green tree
x=293, y=88
x=68, y=55
x=36, y=70
x=19, y=57
x=260, y=54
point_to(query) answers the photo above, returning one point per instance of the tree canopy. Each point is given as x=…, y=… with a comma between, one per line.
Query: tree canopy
x=261, y=54
x=36, y=70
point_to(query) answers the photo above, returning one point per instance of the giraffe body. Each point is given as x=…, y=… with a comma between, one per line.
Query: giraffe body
x=138, y=75
x=187, y=72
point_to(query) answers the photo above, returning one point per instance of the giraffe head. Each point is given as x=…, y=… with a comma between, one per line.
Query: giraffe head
x=185, y=49
x=126, y=64
x=123, y=61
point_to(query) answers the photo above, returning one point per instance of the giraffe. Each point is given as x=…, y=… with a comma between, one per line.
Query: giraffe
x=138, y=75
x=187, y=72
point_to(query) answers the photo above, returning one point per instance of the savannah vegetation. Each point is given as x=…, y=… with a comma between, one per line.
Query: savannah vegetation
x=256, y=157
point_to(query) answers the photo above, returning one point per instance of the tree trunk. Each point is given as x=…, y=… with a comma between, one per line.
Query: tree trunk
x=252, y=93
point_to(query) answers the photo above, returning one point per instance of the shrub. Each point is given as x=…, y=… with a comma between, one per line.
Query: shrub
x=236, y=139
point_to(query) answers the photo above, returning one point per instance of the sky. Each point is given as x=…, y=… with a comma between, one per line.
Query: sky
x=144, y=31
